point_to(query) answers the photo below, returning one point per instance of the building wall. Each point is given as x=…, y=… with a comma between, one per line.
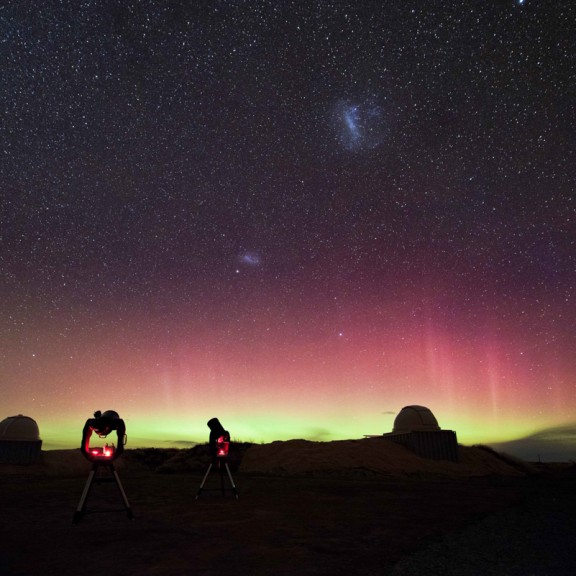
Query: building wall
x=20, y=452
x=438, y=445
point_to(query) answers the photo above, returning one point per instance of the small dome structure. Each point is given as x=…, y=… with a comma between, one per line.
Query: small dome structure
x=19, y=440
x=417, y=428
x=21, y=428
x=415, y=419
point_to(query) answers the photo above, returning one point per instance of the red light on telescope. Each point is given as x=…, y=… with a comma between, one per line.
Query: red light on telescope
x=102, y=453
x=222, y=446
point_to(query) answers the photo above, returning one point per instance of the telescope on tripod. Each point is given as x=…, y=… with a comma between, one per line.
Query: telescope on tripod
x=102, y=458
x=219, y=443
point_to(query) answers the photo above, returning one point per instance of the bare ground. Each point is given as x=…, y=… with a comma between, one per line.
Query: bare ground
x=284, y=525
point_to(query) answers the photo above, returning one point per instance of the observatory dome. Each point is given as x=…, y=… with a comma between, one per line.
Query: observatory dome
x=19, y=428
x=415, y=419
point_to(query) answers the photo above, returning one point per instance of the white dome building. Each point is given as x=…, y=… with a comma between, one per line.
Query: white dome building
x=20, y=441
x=412, y=418
x=416, y=428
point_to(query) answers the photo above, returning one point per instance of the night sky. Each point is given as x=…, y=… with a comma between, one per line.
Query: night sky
x=296, y=216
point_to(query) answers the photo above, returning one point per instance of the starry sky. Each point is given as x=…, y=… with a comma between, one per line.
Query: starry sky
x=297, y=216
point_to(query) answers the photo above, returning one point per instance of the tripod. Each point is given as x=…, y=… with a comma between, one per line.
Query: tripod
x=109, y=466
x=222, y=465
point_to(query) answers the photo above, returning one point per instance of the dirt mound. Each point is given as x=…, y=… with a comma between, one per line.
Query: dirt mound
x=358, y=458
x=367, y=457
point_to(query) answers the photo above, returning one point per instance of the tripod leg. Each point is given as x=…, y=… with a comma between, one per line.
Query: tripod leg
x=82, y=503
x=204, y=481
x=231, y=480
x=222, y=489
x=122, y=493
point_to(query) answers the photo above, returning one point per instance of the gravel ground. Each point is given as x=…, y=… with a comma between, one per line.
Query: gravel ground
x=536, y=539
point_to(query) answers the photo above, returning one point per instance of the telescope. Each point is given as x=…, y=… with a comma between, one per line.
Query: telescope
x=103, y=424
x=219, y=443
x=219, y=440
x=102, y=458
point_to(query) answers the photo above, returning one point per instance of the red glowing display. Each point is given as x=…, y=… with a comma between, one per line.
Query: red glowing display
x=222, y=445
x=103, y=453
